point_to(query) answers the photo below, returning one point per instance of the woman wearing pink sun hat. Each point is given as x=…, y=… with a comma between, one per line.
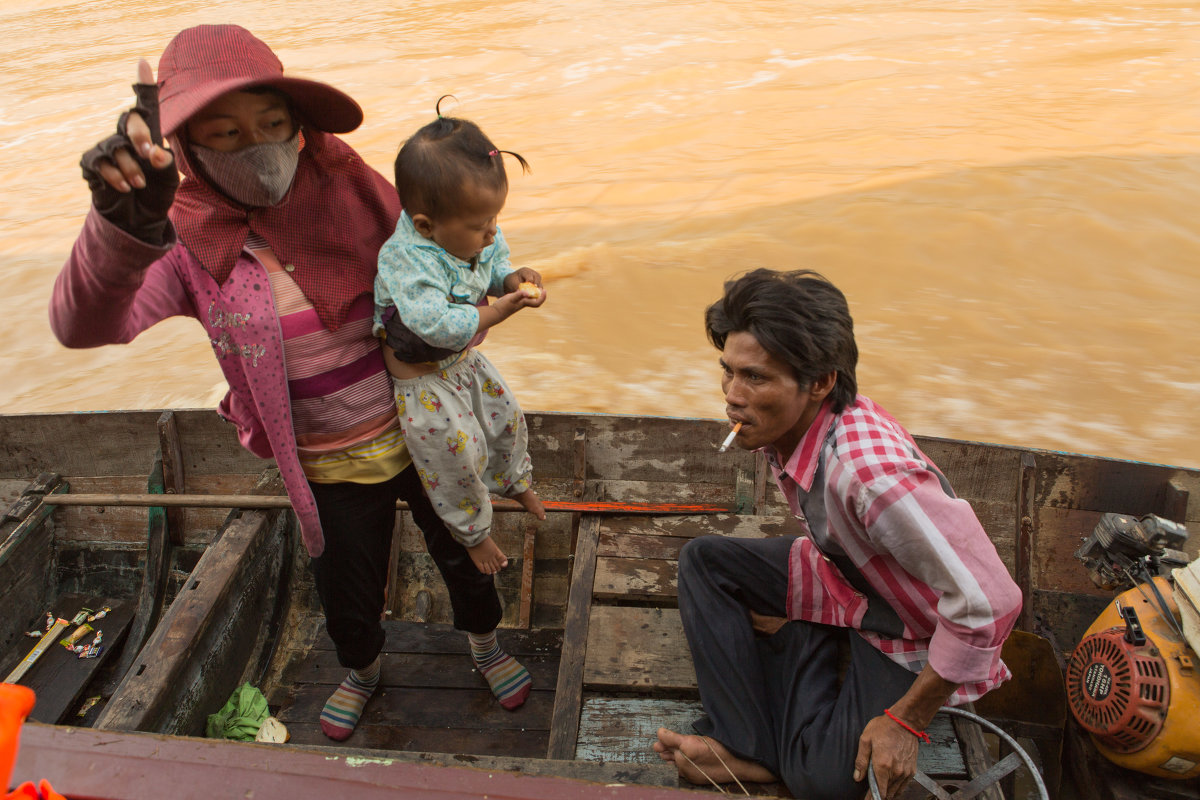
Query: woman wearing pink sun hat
x=270, y=241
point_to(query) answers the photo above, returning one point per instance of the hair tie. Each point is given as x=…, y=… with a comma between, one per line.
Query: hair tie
x=922, y=735
x=437, y=109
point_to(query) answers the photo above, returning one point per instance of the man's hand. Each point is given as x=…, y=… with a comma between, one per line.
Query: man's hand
x=893, y=753
x=892, y=748
x=131, y=175
x=766, y=626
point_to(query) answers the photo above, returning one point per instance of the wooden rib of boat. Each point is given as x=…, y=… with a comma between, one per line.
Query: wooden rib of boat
x=205, y=598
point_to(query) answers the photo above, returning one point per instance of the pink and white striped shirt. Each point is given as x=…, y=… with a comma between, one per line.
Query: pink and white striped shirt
x=343, y=409
x=861, y=487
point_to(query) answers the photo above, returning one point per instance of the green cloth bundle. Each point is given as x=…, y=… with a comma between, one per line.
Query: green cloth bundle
x=241, y=717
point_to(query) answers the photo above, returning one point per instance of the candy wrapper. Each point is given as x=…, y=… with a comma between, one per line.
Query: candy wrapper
x=75, y=636
x=90, y=651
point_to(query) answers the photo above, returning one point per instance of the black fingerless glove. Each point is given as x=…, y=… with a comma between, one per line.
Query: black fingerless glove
x=409, y=347
x=142, y=213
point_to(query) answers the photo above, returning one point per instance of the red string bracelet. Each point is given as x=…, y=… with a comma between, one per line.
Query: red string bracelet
x=922, y=735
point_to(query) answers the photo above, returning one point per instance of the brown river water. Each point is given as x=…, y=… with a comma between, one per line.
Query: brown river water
x=1009, y=193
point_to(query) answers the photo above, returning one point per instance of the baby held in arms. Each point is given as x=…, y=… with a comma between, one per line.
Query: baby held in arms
x=462, y=424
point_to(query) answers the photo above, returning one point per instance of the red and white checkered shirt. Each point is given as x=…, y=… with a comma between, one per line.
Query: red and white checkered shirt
x=923, y=551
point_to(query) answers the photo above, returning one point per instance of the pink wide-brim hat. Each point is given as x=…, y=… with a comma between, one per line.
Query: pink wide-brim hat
x=203, y=63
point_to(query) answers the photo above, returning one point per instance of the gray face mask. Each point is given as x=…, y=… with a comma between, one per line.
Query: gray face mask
x=256, y=176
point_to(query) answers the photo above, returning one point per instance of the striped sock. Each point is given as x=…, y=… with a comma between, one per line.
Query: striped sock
x=343, y=709
x=508, y=680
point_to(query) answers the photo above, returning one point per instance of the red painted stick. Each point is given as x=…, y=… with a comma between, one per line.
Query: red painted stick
x=606, y=507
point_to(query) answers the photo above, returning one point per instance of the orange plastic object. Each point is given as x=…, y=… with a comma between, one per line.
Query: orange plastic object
x=26, y=791
x=15, y=704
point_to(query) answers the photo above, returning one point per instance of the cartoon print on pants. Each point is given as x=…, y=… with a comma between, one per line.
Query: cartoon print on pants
x=428, y=479
x=430, y=401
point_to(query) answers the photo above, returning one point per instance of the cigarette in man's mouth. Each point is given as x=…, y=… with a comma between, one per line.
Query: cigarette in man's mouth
x=729, y=439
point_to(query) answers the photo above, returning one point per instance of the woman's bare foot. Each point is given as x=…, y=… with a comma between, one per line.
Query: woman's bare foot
x=706, y=756
x=488, y=557
x=531, y=502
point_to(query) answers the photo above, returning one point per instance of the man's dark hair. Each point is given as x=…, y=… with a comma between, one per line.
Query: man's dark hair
x=799, y=317
x=437, y=165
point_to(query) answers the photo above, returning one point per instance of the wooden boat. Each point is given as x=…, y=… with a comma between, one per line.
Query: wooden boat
x=212, y=592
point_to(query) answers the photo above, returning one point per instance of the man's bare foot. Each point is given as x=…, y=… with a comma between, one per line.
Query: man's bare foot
x=488, y=557
x=531, y=502
x=699, y=758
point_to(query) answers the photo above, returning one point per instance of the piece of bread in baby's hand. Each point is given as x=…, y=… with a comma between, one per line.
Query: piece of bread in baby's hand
x=531, y=290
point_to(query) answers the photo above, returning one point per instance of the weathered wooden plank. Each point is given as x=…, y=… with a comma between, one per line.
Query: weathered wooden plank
x=1033, y=705
x=76, y=443
x=1060, y=532
x=638, y=545
x=26, y=591
x=89, y=569
x=763, y=481
x=622, y=730
x=152, y=595
x=638, y=558
x=409, y=637
x=525, y=611
x=1175, y=504
x=636, y=579
x=112, y=764
x=1062, y=617
x=128, y=524
x=690, y=527
x=174, y=472
x=27, y=514
x=579, y=463
x=60, y=677
x=198, y=652
x=987, y=473
x=117, y=443
x=628, y=448
x=569, y=692
x=11, y=489
x=393, y=605
x=976, y=755
x=431, y=708
x=720, y=494
x=416, y=573
x=942, y=757
x=1026, y=533
x=508, y=530
x=478, y=742
x=637, y=649
x=1088, y=483
x=27, y=582
x=425, y=670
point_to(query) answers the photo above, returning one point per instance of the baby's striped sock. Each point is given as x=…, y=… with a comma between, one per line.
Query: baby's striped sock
x=343, y=709
x=508, y=680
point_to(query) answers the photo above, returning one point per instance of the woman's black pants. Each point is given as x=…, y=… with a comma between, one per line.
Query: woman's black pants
x=352, y=572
